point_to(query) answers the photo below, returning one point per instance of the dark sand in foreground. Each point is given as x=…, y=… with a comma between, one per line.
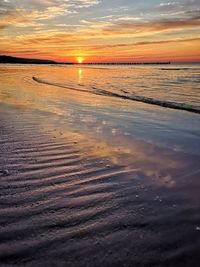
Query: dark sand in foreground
x=61, y=208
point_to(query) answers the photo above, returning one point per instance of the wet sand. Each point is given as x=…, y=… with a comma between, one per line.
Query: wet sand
x=60, y=209
x=70, y=197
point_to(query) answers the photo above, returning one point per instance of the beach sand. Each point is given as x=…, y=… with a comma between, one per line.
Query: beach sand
x=73, y=197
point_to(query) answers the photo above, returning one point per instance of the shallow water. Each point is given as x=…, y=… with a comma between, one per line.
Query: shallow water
x=96, y=180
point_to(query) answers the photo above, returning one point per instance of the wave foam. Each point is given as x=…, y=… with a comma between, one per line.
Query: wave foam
x=147, y=100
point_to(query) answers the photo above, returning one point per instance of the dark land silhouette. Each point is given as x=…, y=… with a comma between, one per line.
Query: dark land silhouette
x=17, y=60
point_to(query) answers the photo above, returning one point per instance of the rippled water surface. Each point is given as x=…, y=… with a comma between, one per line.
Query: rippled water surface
x=90, y=175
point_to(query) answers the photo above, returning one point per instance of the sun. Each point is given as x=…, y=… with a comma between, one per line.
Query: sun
x=80, y=59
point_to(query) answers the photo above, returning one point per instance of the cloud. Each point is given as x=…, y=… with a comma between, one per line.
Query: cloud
x=17, y=18
x=168, y=6
x=153, y=26
x=5, y=6
x=50, y=12
x=178, y=9
x=32, y=11
x=43, y=4
x=146, y=43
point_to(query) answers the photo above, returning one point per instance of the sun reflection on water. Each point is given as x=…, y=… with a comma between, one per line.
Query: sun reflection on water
x=80, y=75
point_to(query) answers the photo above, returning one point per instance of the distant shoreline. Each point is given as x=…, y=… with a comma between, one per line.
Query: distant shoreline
x=18, y=60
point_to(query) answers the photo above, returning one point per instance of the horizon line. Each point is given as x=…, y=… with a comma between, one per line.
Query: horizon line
x=52, y=61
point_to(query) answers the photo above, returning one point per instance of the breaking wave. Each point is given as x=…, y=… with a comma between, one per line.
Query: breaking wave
x=133, y=97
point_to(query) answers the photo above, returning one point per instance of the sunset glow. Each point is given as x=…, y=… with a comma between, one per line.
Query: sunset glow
x=80, y=60
x=105, y=31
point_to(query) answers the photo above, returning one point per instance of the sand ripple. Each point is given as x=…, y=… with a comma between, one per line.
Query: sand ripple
x=59, y=209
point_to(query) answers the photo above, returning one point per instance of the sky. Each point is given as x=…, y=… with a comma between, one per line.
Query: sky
x=101, y=30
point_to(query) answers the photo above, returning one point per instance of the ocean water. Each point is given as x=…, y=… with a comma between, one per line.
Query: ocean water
x=154, y=84
x=99, y=165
